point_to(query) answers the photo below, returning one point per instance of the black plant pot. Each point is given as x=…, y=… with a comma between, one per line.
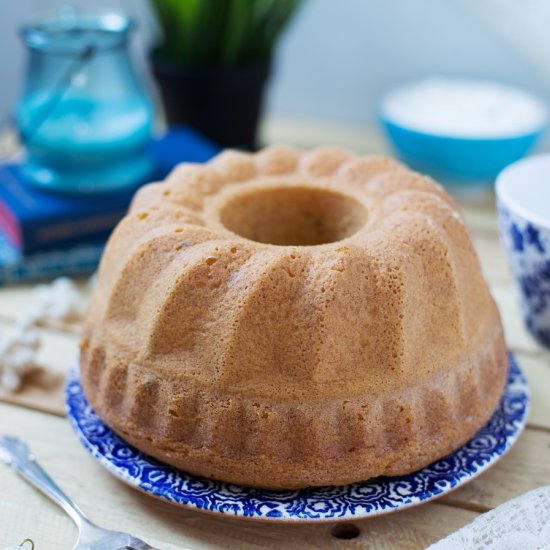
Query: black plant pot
x=223, y=104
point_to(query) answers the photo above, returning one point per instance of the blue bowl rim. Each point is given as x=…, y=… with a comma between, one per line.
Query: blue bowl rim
x=535, y=132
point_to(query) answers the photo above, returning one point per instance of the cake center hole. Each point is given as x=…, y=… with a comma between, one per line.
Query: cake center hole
x=299, y=216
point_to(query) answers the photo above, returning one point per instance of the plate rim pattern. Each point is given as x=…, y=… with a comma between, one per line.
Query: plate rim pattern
x=317, y=504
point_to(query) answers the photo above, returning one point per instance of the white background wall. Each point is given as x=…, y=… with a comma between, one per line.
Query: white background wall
x=340, y=55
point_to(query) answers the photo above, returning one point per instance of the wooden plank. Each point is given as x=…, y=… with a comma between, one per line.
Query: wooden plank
x=537, y=371
x=15, y=300
x=25, y=512
x=307, y=134
x=43, y=390
x=50, y=529
x=170, y=528
x=525, y=467
x=481, y=217
x=517, y=336
x=492, y=259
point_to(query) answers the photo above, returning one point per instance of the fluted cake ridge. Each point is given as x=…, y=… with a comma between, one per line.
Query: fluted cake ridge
x=290, y=318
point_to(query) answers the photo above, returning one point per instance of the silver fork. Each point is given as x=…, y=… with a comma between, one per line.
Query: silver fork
x=15, y=452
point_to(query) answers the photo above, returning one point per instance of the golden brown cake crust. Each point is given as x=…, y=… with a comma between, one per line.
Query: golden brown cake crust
x=289, y=319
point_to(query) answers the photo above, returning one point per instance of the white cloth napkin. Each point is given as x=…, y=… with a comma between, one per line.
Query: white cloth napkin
x=521, y=523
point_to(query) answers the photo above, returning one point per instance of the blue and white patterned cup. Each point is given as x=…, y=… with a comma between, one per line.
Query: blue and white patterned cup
x=523, y=202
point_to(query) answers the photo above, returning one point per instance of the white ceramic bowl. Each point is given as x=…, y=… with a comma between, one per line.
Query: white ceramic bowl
x=462, y=132
x=523, y=202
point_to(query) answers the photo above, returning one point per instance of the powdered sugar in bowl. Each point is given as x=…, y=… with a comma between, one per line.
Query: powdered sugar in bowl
x=523, y=201
x=462, y=132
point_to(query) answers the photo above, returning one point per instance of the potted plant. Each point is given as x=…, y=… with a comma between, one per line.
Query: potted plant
x=214, y=61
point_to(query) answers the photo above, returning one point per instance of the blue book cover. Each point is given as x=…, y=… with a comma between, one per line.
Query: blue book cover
x=36, y=220
x=81, y=257
x=75, y=261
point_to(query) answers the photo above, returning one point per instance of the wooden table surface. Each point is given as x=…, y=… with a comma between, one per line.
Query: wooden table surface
x=26, y=513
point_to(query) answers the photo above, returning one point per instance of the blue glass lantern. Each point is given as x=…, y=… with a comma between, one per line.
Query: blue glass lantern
x=84, y=116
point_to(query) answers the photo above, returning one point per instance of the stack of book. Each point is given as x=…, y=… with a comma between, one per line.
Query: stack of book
x=45, y=235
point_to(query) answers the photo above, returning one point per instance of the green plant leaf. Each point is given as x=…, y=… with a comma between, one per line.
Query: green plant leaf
x=221, y=33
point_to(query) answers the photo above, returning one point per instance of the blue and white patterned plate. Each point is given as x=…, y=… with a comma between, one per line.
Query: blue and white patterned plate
x=359, y=500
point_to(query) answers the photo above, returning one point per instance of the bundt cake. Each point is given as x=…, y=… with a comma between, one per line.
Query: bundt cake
x=288, y=319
